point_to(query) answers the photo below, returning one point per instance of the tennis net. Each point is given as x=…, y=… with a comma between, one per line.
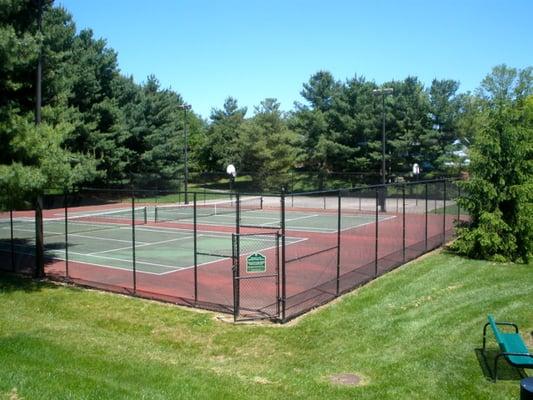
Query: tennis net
x=99, y=220
x=176, y=212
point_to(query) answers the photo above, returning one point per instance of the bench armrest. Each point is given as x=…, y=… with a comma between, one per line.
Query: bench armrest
x=508, y=324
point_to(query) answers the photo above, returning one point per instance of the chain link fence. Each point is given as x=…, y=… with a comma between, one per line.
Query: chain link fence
x=252, y=255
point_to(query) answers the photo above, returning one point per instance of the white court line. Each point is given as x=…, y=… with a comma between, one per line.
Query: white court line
x=82, y=236
x=91, y=263
x=291, y=219
x=368, y=223
x=119, y=259
x=141, y=245
x=304, y=217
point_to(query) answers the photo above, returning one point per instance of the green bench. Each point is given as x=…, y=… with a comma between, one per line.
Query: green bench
x=512, y=347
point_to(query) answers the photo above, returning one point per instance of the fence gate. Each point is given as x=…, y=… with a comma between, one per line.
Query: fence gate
x=256, y=288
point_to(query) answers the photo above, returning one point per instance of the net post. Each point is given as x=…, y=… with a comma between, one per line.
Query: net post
x=66, y=233
x=339, y=216
x=444, y=214
x=195, y=234
x=426, y=218
x=12, y=240
x=403, y=223
x=283, y=264
x=134, y=269
x=39, y=240
x=377, y=233
x=145, y=215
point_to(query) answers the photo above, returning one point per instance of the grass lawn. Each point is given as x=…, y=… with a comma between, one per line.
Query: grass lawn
x=411, y=334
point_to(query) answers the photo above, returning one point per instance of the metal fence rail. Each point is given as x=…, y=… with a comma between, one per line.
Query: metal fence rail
x=272, y=256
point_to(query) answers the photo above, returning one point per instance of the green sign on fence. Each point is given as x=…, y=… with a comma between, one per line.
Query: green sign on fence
x=256, y=262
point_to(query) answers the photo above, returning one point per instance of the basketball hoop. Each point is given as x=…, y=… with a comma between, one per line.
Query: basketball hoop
x=230, y=170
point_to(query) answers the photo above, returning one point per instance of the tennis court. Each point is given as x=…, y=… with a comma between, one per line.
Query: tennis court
x=264, y=256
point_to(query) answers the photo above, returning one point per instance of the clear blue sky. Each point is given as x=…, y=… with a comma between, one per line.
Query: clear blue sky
x=252, y=49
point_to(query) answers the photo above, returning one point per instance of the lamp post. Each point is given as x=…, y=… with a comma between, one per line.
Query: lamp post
x=185, y=107
x=39, y=240
x=39, y=72
x=383, y=92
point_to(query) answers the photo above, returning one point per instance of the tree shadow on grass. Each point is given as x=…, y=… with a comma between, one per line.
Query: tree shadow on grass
x=13, y=283
x=506, y=372
x=17, y=266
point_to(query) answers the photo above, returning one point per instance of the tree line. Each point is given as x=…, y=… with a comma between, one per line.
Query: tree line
x=99, y=127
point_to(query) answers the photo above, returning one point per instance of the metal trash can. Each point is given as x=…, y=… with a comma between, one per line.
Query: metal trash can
x=526, y=388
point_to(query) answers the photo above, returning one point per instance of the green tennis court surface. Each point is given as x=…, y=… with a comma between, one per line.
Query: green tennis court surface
x=157, y=250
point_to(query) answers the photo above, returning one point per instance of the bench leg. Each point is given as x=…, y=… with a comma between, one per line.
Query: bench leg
x=496, y=367
x=484, y=336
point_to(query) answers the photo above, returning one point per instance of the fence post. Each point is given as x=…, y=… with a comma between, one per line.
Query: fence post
x=377, y=233
x=403, y=223
x=397, y=201
x=235, y=270
x=277, y=276
x=39, y=241
x=444, y=215
x=237, y=258
x=457, y=203
x=134, y=269
x=195, y=234
x=283, y=266
x=66, y=234
x=339, y=216
x=426, y=219
x=12, y=240
x=237, y=213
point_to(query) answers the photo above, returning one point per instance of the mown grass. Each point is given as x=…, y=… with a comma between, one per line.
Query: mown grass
x=411, y=334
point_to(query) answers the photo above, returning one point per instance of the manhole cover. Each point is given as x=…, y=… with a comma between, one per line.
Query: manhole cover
x=345, y=379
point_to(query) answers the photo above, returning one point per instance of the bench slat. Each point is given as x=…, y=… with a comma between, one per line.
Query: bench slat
x=513, y=343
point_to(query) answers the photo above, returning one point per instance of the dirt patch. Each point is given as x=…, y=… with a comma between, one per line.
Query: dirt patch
x=13, y=395
x=346, y=379
x=529, y=338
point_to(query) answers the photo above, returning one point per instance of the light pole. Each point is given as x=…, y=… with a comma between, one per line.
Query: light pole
x=185, y=107
x=39, y=72
x=383, y=92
